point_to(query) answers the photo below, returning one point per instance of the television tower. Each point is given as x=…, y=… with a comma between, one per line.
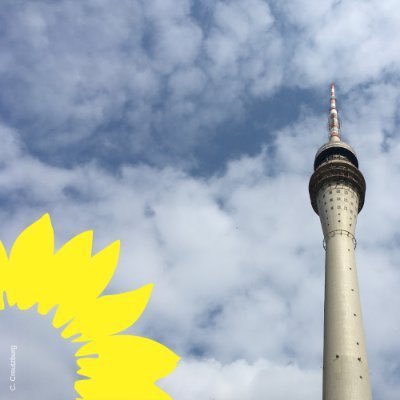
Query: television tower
x=337, y=191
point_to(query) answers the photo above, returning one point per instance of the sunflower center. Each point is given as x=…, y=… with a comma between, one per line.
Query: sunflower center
x=35, y=362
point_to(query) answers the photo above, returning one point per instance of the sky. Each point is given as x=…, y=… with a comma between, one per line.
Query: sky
x=188, y=129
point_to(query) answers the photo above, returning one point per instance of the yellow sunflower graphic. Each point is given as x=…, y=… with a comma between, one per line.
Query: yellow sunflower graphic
x=72, y=280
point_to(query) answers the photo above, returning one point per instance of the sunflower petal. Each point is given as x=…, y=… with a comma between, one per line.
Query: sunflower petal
x=87, y=276
x=109, y=314
x=102, y=268
x=71, y=281
x=30, y=262
x=3, y=274
x=134, y=362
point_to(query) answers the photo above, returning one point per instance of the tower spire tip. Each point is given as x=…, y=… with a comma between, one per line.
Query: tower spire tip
x=334, y=125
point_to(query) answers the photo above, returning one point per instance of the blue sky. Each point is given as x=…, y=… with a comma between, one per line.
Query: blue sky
x=188, y=130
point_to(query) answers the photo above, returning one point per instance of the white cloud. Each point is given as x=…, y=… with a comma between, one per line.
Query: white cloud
x=211, y=380
x=153, y=80
x=76, y=72
x=348, y=41
x=236, y=258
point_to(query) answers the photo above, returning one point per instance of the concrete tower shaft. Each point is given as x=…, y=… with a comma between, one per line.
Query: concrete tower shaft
x=337, y=191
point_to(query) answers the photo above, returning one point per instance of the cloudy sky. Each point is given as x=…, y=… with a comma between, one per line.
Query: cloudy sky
x=188, y=129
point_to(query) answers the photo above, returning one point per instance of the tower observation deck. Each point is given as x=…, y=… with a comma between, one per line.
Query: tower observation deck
x=337, y=192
